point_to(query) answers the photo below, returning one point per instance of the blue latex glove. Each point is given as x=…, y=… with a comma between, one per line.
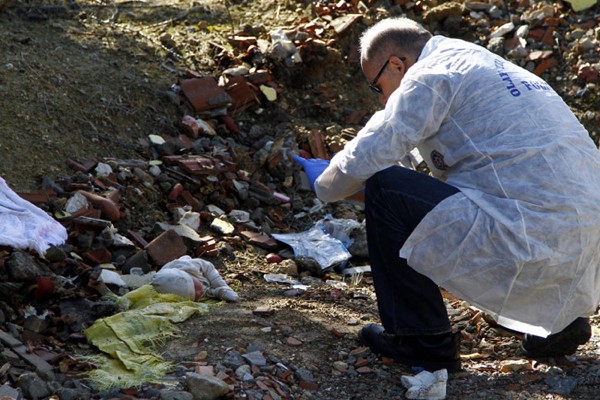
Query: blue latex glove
x=313, y=168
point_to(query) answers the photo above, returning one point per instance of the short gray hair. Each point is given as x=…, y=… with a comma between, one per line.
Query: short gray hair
x=392, y=35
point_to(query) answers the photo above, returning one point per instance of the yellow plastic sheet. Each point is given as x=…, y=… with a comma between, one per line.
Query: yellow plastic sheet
x=128, y=339
x=579, y=5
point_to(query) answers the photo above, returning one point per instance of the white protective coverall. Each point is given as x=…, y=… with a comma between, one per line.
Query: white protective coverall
x=521, y=240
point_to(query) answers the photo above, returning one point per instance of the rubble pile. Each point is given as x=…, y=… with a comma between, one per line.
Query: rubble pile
x=556, y=40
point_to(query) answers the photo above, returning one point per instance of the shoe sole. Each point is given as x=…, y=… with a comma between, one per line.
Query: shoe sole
x=560, y=344
x=431, y=366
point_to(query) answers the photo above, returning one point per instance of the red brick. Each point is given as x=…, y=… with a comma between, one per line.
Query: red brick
x=199, y=165
x=242, y=94
x=242, y=42
x=229, y=123
x=312, y=386
x=39, y=196
x=166, y=247
x=317, y=144
x=99, y=256
x=137, y=238
x=85, y=166
x=196, y=204
x=207, y=247
x=175, y=191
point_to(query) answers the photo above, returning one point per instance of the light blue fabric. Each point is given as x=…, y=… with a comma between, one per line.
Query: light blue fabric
x=521, y=241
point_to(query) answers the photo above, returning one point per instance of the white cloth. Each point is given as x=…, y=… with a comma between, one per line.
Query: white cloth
x=176, y=277
x=23, y=225
x=426, y=385
x=522, y=238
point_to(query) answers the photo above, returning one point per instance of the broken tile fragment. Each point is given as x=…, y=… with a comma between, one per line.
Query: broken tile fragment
x=204, y=94
x=260, y=239
x=263, y=310
x=292, y=341
x=166, y=247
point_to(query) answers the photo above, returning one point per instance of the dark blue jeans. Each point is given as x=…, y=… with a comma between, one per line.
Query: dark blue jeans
x=396, y=200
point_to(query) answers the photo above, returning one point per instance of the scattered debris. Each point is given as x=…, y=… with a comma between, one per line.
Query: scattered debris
x=222, y=183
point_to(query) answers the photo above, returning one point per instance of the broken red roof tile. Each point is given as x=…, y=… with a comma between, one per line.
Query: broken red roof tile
x=198, y=164
x=85, y=166
x=544, y=65
x=342, y=24
x=196, y=204
x=206, y=247
x=544, y=35
x=229, y=123
x=242, y=42
x=204, y=94
x=137, y=238
x=317, y=144
x=39, y=196
x=260, y=239
x=98, y=256
x=242, y=94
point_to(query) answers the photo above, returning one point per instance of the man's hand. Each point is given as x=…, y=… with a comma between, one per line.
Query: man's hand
x=313, y=168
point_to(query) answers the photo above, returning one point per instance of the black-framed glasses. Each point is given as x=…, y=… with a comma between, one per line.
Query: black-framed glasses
x=373, y=85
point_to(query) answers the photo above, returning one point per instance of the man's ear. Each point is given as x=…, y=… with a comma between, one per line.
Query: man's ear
x=397, y=64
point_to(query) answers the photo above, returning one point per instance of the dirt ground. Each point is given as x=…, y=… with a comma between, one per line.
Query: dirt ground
x=88, y=80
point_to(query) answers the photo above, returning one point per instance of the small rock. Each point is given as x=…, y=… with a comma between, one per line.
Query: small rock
x=167, y=394
x=304, y=374
x=6, y=391
x=33, y=386
x=263, y=310
x=340, y=366
x=516, y=365
x=233, y=359
x=364, y=370
x=562, y=386
x=255, y=358
x=24, y=267
x=223, y=227
x=244, y=373
x=204, y=387
x=55, y=254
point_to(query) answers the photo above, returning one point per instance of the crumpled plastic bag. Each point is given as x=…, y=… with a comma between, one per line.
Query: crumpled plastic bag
x=128, y=339
x=192, y=278
x=317, y=244
x=426, y=385
x=26, y=226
